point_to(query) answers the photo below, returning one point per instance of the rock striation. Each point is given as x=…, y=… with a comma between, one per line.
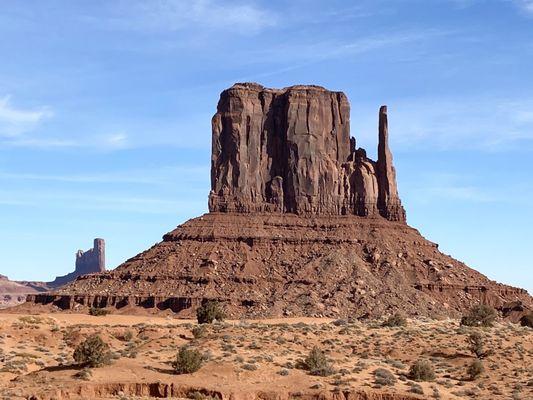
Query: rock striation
x=87, y=262
x=289, y=151
x=301, y=223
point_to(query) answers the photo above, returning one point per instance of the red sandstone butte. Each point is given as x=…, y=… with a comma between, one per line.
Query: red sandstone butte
x=289, y=151
x=301, y=222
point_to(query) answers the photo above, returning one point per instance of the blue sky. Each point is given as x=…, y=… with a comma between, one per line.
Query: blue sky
x=105, y=111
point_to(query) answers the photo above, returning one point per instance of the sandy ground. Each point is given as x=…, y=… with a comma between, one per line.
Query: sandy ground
x=257, y=359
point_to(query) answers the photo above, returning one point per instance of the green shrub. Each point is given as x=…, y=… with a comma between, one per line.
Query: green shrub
x=187, y=361
x=475, y=369
x=210, y=311
x=317, y=363
x=527, y=320
x=417, y=389
x=93, y=352
x=124, y=336
x=201, y=396
x=480, y=315
x=128, y=335
x=84, y=374
x=476, y=345
x=250, y=367
x=422, y=370
x=384, y=377
x=97, y=312
x=199, y=331
x=395, y=320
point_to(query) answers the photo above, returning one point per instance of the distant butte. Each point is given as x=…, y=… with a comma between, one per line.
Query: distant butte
x=87, y=262
x=301, y=223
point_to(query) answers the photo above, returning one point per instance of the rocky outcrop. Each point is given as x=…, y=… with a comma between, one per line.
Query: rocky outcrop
x=87, y=262
x=272, y=265
x=92, y=260
x=13, y=293
x=290, y=151
x=301, y=223
x=174, y=390
x=389, y=203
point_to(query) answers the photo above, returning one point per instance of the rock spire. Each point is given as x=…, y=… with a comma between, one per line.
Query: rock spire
x=389, y=204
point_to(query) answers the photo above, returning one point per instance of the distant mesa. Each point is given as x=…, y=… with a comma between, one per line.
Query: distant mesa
x=301, y=222
x=12, y=293
x=90, y=261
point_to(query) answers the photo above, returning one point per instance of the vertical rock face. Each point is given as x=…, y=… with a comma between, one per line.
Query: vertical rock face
x=389, y=203
x=92, y=260
x=87, y=262
x=290, y=151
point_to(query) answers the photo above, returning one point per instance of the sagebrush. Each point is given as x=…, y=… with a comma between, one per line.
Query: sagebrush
x=422, y=370
x=187, y=361
x=209, y=312
x=92, y=352
x=317, y=363
x=480, y=315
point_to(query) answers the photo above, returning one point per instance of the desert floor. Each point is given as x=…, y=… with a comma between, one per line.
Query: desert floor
x=258, y=359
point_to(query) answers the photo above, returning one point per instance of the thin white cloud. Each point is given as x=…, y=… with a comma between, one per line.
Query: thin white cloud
x=111, y=142
x=75, y=201
x=160, y=176
x=487, y=124
x=298, y=55
x=316, y=51
x=454, y=192
x=38, y=143
x=525, y=5
x=115, y=141
x=16, y=121
x=431, y=187
x=174, y=15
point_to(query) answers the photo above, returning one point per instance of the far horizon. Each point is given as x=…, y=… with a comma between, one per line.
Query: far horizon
x=113, y=140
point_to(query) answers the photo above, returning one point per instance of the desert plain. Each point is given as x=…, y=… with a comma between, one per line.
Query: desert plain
x=259, y=359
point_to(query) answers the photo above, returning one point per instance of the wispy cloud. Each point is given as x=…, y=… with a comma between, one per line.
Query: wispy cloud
x=38, y=143
x=19, y=127
x=525, y=5
x=160, y=176
x=115, y=141
x=296, y=55
x=173, y=15
x=110, y=142
x=335, y=48
x=85, y=201
x=486, y=123
x=16, y=121
x=436, y=186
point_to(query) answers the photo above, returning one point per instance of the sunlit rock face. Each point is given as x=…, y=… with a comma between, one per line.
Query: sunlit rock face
x=289, y=151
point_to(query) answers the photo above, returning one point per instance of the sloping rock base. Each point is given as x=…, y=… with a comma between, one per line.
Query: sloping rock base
x=265, y=265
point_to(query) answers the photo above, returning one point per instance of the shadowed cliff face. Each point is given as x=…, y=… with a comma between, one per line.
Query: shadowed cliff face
x=289, y=151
